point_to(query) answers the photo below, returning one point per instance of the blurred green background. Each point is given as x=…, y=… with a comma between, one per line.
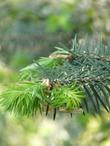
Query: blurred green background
x=30, y=29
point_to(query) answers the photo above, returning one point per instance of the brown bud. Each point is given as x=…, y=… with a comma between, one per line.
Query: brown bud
x=47, y=83
x=68, y=57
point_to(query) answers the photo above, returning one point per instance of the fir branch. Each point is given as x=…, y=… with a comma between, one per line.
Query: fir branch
x=67, y=80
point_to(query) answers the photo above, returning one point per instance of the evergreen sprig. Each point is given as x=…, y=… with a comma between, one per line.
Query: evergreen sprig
x=69, y=79
x=68, y=97
x=24, y=98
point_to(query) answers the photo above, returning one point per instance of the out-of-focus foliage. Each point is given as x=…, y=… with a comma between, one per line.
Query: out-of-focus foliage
x=97, y=132
x=80, y=131
x=36, y=17
x=26, y=24
x=6, y=74
x=20, y=59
